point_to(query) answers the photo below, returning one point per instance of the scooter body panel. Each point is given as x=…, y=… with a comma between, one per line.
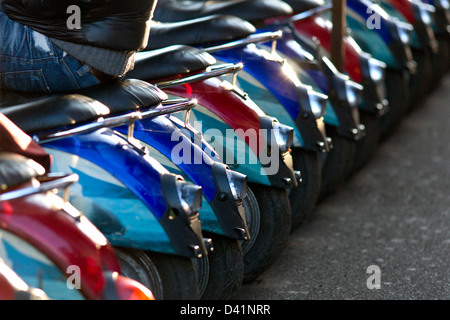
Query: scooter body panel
x=119, y=190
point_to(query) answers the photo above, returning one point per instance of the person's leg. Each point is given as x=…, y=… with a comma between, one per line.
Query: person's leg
x=30, y=62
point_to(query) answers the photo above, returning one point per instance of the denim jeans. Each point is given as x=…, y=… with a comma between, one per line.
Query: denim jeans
x=30, y=62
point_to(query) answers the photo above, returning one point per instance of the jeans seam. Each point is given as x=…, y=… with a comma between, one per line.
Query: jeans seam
x=69, y=73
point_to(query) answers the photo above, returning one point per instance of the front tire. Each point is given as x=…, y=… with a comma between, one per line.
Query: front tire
x=338, y=163
x=273, y=234
x=303, y=198
x=221, y=272
x=169, y=277
x=397, y=90
x=420, y=81
x=367, y=146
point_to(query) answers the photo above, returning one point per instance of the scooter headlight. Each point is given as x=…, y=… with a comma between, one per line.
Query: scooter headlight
x=238, y=184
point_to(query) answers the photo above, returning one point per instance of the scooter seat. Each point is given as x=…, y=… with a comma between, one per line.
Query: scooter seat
x=32, y=113
x=200, y=31
x=16, y=169
x=126, y=95
x=300, y=6
x=169, y=62
x=253, y=11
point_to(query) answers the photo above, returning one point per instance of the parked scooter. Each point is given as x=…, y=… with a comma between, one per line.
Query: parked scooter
x=115, y=179
x=49, y=249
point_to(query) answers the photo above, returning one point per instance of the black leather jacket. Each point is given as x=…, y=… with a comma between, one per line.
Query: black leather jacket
x=122, y=25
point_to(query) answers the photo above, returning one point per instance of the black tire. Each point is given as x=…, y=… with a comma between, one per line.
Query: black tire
x=303, y=198
x=252, y=218
x=338, y=163
x=221, y=272
x=169, y=277
x=439, y=62
x=397, y=92
x=368, y=145
x=420, y=81
x=274, y=230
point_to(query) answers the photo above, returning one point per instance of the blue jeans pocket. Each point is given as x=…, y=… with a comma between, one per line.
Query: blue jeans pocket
x=26, y=80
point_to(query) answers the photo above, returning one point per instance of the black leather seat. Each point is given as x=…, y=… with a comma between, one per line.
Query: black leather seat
x=253, y=11
x=16, y=169
x=126, y=95
x=33, y=114
x=169, y=62
x=300, y=6
x=198, y=31
x=53, y=112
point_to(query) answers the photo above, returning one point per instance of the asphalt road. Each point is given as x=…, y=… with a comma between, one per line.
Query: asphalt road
x=393, y=214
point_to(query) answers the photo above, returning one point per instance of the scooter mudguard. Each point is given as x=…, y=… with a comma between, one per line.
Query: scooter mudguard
x=319, y=27
x=196, y=162
x=122, y=192
x=289, y=105
x=41, y=234
x=385, y=40
x=238, y=130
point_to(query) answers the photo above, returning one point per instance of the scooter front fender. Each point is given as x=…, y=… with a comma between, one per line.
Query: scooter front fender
x=284, y=86
x=121, y=191
x=170, y=146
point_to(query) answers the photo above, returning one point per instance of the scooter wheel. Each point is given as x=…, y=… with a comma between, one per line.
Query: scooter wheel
x=221, y=272
x=440, y=62
x=421, y=80
x=367, y=146
x=338, y=163
x=169, y=277
x=273, y=234
x=303, y=198
x=397, y=92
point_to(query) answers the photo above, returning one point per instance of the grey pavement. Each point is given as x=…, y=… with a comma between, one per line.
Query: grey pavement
x=394, y=214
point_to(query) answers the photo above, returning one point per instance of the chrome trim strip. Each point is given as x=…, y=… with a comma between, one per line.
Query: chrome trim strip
x=60, y=183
